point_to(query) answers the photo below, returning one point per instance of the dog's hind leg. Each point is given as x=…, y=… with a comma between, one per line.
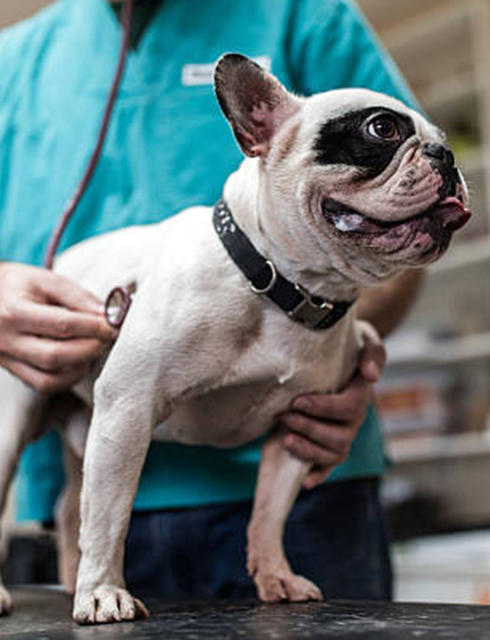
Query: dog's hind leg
x=74, y=416
x=68, y=520
x=19, y=420
x=279, y=482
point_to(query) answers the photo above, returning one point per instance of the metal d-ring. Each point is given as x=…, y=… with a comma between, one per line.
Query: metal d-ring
x=271, y=283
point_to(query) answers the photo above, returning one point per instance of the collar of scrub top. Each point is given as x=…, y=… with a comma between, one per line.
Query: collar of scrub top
x=92, y=27
x=143, y=13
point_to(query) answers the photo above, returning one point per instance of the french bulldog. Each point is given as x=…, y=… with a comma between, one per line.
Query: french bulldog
x=231, y=320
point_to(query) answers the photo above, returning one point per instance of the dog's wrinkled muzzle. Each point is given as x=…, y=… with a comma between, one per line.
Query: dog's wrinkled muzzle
x=416, y=240
x=420, y=237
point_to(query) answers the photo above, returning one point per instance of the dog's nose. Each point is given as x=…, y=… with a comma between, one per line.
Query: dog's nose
x=440, y=153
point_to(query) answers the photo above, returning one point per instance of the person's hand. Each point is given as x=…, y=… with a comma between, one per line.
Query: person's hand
x=50, y=328
x=322, y=427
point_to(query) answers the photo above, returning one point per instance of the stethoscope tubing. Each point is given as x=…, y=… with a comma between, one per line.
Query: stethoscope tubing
x=77, y=195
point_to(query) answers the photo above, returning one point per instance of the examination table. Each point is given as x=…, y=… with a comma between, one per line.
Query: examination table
x=44, y=614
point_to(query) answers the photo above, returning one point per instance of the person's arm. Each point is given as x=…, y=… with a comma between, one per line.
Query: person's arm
x=50, y=328
x=324, y=426
x=386, y=306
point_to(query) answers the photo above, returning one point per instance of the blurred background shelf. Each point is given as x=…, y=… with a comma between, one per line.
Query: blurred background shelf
x=421, y=45
x=444, y=352
x=385, y=15
x=440, y=448
x=456, y=93
x=435, y=395
x=464, y=254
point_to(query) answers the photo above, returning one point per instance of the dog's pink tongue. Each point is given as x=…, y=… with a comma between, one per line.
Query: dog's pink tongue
x=453, y=213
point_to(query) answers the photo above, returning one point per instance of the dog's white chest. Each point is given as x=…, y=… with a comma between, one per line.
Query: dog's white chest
x=287, y=362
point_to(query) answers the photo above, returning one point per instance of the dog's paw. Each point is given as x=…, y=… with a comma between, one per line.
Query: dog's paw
x=285, y=586
x=106, y=604
x=5, y=601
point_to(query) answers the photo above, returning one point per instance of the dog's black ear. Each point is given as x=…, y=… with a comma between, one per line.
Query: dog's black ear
x=254, y=102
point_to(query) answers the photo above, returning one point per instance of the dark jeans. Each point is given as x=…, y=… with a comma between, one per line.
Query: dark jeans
x=336, y=536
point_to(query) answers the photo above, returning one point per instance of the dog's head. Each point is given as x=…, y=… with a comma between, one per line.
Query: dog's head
x=355, y=177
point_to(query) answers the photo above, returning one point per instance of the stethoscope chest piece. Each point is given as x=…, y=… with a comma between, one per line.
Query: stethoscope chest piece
x=117, y=306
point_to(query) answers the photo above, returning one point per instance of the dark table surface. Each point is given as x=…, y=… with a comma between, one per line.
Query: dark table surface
x=44, y=614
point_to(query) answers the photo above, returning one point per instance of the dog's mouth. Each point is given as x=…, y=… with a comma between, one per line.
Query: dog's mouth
x=421, y=237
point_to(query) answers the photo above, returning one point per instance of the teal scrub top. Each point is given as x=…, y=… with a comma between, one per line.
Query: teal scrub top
x=168, y=147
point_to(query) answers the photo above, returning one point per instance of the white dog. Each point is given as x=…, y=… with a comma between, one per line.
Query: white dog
x=230, y=322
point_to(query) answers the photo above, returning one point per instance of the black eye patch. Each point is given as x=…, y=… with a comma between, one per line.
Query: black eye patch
x=346, y=140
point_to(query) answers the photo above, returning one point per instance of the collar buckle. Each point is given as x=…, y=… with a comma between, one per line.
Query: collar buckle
x=311, y=310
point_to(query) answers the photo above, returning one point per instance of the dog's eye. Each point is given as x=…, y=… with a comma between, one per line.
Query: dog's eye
x=384, y=127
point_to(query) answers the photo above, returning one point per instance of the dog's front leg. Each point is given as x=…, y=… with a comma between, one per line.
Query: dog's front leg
x=278, y=485
x=118, y=440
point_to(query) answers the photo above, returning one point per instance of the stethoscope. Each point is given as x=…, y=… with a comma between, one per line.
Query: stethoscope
x=119, y=299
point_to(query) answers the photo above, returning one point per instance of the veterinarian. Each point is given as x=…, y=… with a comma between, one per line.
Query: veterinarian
x=169, y=148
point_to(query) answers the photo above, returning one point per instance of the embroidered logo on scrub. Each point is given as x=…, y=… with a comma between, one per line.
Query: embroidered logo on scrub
x=200, y=74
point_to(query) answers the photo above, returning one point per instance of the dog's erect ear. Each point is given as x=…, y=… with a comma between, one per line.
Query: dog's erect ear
x=253, y=101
